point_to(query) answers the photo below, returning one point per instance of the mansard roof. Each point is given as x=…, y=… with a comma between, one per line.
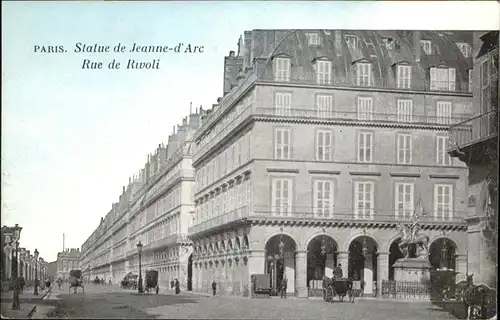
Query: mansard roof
x=370, y=47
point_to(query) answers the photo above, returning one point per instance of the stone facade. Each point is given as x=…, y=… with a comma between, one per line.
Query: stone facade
x=155, y=209
x=67, y=261
x=302, y=164
x=476, y=144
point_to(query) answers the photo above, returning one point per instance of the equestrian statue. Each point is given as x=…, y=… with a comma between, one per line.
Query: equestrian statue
x=410, y=236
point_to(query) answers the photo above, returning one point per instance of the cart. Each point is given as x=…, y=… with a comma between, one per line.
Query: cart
x=75, y=280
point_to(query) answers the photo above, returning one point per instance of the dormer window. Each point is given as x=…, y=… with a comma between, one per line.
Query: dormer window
x=465, y=48
x=427, y=46
x=389, y=43
x=363, y=74
x=351, y=41
x=323, y=71
x=403, y=73
x=442, y=78
x=313, y=38
x=282, y=69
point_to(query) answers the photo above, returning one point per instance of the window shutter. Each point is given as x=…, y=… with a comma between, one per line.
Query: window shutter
x=452, y=79
x=433, y=78
x=356, y=200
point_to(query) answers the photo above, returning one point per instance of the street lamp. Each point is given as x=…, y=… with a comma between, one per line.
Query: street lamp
x=16, y=305
x=139, y=249
x=36, y=273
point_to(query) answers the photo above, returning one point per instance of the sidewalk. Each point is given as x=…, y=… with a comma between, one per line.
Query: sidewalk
x=28, y=306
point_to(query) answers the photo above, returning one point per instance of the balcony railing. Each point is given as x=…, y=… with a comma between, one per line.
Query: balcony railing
x=338, y=215
x=373, y=83
x=473, y=130
x=312, y=113
x=364, y=117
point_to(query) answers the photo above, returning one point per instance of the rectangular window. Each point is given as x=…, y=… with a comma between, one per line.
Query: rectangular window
x=404, y=200
x=323, y=198
x=324, y=145
x=365, y=109
x=324, y=106
x=364, y=200
x=282, y=69
x=485, y=87
x=443, y=201
x=323, y=72
x=282, y=103
x=405, y=111
x=364, y=74
x=442, y=79
x=404, y=148
x=404, y=77
x=443, y=159
x=365, y=145
x=465, y=48
x=313, y=39
x=351, y=41
x=282, y=144
x=427, y=46
x=443, y=112
x=281, y=196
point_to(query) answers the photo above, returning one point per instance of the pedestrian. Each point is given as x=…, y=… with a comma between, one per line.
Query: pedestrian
x=177, y=287
x=172, y=283
x=284, y=283
x=214, y=287
x=157, y=288
x=337, y=272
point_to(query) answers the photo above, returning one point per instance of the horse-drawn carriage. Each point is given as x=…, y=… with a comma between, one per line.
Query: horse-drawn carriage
x=129, y=281
x=337, y=287
x=75, y=280
x=151, y=281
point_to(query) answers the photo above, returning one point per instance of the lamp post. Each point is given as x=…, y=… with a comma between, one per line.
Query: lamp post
x=139, y=285
x=16, y=305
x=36, y=273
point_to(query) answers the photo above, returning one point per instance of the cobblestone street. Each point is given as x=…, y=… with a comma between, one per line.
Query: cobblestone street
x=113, y=302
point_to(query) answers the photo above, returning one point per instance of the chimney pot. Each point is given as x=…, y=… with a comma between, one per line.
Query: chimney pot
x=231, y=53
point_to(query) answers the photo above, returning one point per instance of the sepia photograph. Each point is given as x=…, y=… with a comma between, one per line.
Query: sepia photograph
x=250, y=160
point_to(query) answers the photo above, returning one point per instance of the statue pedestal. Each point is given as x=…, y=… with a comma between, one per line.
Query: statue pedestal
x=412, y=269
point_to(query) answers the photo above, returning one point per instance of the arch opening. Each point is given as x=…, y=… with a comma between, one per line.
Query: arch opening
x=442, y=254
x=280, y=262
x=363, y=263
x=394, y=255
x=321, y=260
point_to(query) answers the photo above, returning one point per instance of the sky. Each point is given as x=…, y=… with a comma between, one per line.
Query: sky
x=72, y=137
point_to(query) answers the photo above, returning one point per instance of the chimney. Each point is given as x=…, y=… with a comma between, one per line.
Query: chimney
x=338, y=43
x=123, y=190
x=219, y=99
x=190, y=108
x=416, y=45
x=231, y=53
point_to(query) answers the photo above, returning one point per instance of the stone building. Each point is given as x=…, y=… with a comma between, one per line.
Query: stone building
x=154, y=209
x=26, y=260
x=324, y=142
x=66, y=261
x=475, y=142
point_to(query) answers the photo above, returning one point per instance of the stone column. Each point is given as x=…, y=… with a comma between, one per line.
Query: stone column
x=301, y=273
x=343, y=260
x=368, y=274
x=461, y=266
x=255, y=265
x=382, y=270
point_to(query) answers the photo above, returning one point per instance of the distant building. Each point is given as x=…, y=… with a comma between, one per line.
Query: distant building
x=155, y=209
x=475, y=142
x=52, y=269
x=67, y=261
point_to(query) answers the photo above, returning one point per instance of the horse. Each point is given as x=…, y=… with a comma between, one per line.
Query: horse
x=337, y=286
x=477, y=298
x=405, y=240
